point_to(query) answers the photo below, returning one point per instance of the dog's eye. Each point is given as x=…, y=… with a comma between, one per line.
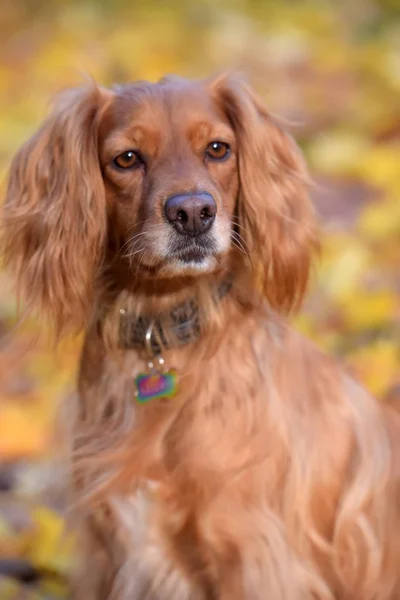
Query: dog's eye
x=217, y=150
x=128, y=160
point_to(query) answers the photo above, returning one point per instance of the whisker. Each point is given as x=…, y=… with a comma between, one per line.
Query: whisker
x=237, y=224
x=132, y=239
x=235, y=244
x=133, y=248
x=131, y=254
x=239, y=247
x=237, y=237
x=240, y=237
x=238, y=234
x=246, y=255
x=139, y=262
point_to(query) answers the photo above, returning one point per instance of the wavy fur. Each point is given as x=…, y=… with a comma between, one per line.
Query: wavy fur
x=271, y=474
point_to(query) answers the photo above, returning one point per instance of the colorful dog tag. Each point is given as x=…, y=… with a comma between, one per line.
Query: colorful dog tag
x=155, y=385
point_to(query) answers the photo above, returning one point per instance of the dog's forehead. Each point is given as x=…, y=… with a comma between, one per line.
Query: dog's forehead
x=171, y=99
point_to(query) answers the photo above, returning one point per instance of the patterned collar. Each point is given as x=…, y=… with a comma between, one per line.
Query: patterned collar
x=178, y=327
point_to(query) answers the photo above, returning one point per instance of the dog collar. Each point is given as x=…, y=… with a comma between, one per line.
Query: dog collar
x=180, y=326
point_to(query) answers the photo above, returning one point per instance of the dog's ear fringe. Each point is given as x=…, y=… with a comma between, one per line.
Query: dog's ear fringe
x=278, y=220
x=53, y=221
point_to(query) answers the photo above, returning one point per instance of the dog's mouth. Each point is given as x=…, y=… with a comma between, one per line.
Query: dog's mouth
x=182, y=255
x=195, y=251
x=196, y=255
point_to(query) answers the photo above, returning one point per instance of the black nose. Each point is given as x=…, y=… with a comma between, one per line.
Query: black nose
x=191, y=214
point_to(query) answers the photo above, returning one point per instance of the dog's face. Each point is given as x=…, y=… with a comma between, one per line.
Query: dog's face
x=164, y=180
x=168, y=156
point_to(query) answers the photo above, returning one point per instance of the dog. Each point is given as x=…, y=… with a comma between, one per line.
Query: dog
x=215, y=453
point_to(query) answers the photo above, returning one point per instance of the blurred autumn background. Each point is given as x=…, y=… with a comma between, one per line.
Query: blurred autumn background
x=332, y=69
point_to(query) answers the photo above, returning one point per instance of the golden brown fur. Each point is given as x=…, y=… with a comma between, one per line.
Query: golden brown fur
x=271, y=474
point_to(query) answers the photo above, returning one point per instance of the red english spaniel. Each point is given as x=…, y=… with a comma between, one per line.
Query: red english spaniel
x=216, y=454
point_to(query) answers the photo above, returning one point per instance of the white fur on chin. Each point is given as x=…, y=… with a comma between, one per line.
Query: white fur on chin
x=180, y=267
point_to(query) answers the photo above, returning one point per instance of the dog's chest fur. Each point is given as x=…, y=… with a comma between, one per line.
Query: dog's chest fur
x=179, y=451
x=151, y=569
x=191, y=464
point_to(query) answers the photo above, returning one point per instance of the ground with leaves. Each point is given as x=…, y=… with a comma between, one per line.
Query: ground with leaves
x=333, y=70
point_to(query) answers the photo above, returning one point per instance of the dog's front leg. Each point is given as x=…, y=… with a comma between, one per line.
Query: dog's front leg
x=93, y=575
x=250, y=557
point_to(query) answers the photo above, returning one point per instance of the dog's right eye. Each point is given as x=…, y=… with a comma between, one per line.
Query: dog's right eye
x=128, y=160
x=217, y=150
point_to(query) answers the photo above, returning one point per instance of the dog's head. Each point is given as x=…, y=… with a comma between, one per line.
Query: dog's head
x=168, y=180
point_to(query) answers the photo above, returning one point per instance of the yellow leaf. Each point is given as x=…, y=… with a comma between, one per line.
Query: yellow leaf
x=337, y=151
x=20, y=436
x=341, y=273
x=381, y=220
x=380, y=167
x=51, y=547
x=369, y=310
x=377, y=365
x=10, y=590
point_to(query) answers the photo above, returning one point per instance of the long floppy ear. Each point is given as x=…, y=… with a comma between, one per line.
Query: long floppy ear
x=274, y=208
x=54, y=217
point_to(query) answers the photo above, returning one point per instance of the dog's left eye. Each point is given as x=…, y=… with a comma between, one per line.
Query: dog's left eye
x=217, y=150
x=128, y=160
